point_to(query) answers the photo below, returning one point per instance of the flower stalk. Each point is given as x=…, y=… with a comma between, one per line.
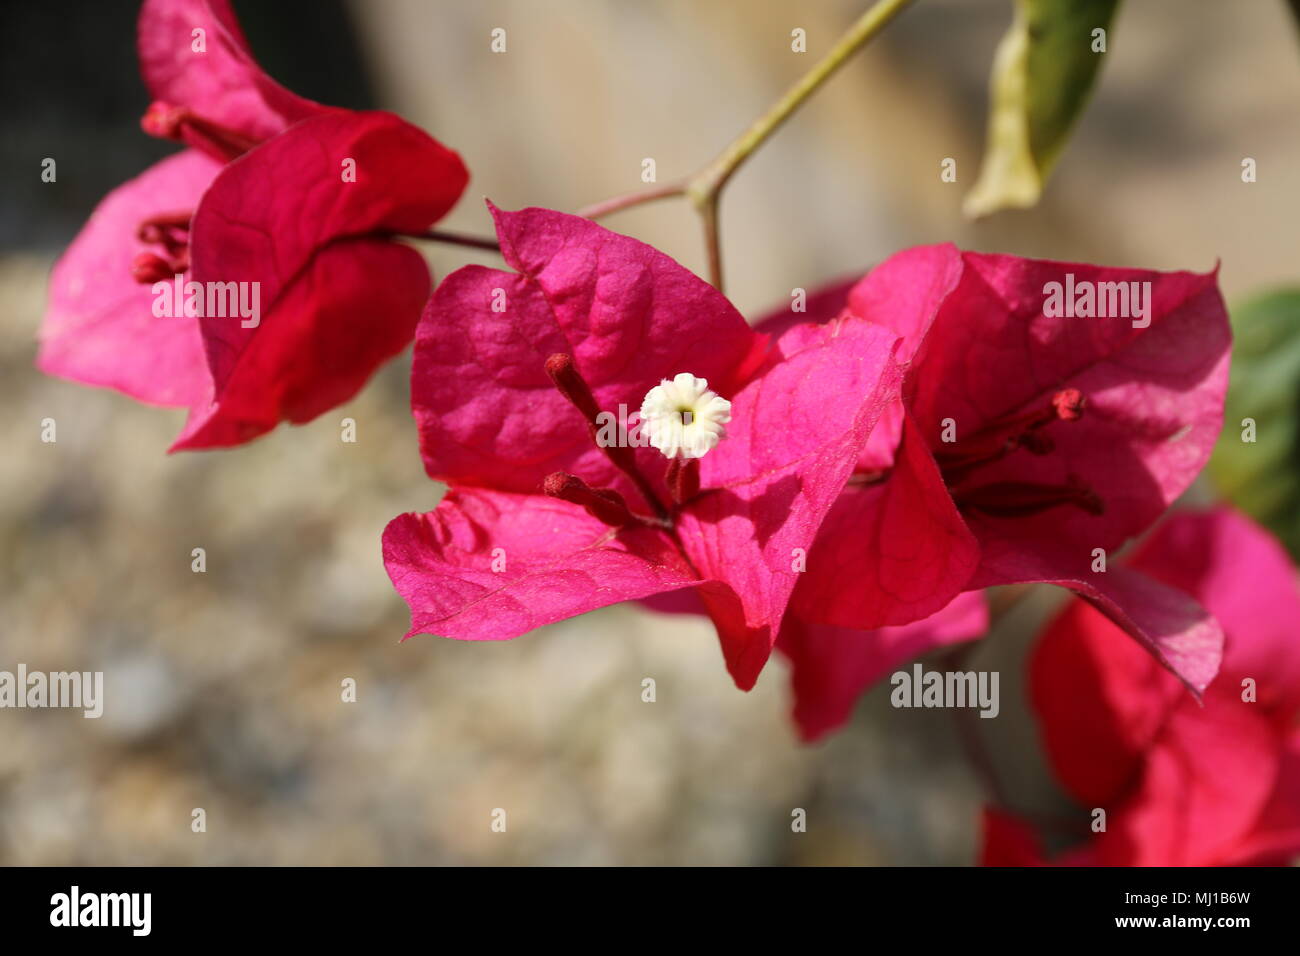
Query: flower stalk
x=704, y=188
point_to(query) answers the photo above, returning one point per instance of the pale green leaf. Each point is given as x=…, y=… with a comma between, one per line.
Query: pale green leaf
x=1042, y=73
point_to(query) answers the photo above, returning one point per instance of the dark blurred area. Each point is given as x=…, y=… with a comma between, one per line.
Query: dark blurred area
x=73, y=91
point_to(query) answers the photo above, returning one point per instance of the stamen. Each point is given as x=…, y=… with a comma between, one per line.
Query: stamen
x=1037, y=444
x=602, y=504
x=171, y=231
x=1068, y=403
x=683, y=479
x=564, y=374
x=1003, y=436
x=1015, y=499
x=147, y=268
x=164, y=121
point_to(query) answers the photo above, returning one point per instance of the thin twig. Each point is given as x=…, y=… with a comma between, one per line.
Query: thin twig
x=628, y=200
x=458, y=239
x=704, y=188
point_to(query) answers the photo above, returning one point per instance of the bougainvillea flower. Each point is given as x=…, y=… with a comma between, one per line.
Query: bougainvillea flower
x=1181, y=783
x=1027, y=442
x=543, y=519
x=279, y=214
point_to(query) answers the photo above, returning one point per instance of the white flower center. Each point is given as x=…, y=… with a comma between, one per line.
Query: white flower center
x=683, y=418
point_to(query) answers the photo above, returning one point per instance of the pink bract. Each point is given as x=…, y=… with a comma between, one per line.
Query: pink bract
x=263, y=195
x=1070, y=435
x=497, y=430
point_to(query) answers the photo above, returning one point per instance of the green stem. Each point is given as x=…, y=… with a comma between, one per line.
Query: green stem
x=714, y=176
x=708, y=210
x=705, y=187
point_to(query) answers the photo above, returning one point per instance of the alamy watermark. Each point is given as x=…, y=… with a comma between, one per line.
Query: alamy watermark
x=624, y=429
x=82, y=690
x=75, y=908
x=922, y=688
x=224, y=300
x=1085, y=299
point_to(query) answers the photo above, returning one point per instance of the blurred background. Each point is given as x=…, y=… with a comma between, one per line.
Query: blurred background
x=223, y=688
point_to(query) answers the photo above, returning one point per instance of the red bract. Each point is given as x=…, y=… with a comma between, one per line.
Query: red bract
x=338, y=298
x=1181, y=783
x=206, y=96
x=263, y=202
x=1025, y=444
x=540, y=523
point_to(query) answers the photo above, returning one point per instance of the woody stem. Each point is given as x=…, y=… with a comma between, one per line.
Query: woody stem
x=704, y=188
x=458, y=239
x=709, y=181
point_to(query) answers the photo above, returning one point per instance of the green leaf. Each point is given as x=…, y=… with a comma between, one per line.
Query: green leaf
x=1042, y=73
x=1263, y=477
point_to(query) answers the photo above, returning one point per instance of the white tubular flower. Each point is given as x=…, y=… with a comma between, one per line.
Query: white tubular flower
x=683, y=418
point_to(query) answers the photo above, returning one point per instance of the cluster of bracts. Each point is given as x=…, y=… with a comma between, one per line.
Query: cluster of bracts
x=839, y=481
